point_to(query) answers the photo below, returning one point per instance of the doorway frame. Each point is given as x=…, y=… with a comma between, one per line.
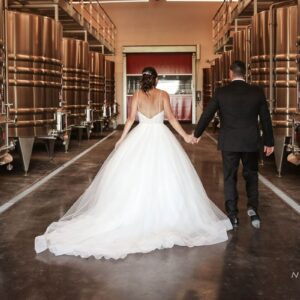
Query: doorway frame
x=193, y=49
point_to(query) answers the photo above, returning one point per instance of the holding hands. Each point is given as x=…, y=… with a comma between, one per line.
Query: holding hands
x=190, y=139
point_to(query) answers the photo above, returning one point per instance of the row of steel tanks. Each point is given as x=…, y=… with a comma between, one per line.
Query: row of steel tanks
x=216, y=76
x=269, y=48
x=273, y=66
x=218, y=73
x=55, y=84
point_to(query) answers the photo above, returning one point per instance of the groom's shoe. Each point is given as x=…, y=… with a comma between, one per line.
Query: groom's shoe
x=234, y=221
x=254, y=217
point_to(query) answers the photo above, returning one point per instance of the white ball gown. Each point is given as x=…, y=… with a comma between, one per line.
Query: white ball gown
x=146, y=196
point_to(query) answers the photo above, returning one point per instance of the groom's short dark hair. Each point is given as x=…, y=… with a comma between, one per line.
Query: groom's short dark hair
x=238, y=68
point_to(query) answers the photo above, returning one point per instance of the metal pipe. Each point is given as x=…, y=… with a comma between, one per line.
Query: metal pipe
x=72, y=78
x=32, y=110
x=298, y=52
x=282, y=123
x=35, y=71
x=34, y=123
x=271, y=87
x=285, y=110
x=248, y=44
x=34, y=58
x=75, y=106
x=255, y=7
x=22, y=82
x=236, y=25
x=6, y=100
x=76, y=70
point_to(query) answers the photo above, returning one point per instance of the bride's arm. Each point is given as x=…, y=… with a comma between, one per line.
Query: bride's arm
x=130, y=119
x=173, y=121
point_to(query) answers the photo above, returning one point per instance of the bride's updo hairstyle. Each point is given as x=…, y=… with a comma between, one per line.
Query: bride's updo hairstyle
x=148, y=80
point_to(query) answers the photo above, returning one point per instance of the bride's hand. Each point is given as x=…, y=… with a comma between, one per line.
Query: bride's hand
x=188, y=138
x=118, y=143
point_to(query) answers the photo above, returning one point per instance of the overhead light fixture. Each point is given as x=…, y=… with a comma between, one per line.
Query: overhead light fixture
x=199, y=0
x=122, y=1
x=108, y=1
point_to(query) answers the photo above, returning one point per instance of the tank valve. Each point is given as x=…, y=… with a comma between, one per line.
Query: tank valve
x=9, y=167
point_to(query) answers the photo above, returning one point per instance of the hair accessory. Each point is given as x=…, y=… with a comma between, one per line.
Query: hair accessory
x=147, y=73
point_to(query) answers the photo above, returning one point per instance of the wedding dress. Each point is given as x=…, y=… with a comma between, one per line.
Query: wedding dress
x=146, y=196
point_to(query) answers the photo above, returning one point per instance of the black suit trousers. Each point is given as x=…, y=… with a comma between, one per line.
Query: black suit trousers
x=231, y=161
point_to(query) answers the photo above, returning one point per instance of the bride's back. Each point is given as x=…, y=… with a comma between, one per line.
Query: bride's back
x=150, y=103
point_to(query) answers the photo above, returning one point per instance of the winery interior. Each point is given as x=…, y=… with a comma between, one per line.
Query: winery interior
x=68, y=71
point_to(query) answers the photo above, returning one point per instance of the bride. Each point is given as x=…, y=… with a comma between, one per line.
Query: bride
x=146, y=196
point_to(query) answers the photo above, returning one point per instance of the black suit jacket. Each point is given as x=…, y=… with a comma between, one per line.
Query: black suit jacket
x=239, y=105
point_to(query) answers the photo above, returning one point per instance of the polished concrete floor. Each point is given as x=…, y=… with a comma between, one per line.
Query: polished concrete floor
x=251, y=265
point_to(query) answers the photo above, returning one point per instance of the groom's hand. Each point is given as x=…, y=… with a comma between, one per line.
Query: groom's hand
x=268, y=150
x=198, y=139
x=195, y=140
x=189, y=138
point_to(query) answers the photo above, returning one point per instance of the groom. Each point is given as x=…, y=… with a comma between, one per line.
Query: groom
x=240, y=105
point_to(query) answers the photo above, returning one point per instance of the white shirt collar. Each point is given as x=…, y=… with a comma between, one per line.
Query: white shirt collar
x=238, y=78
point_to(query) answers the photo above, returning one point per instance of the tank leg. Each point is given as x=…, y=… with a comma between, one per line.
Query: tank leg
x=115, y=124
x=279, y=153
x=101, y=125
x=88, y=132
x=67, y=142
x=25, y=147
x=79, y=132
x=50, y=143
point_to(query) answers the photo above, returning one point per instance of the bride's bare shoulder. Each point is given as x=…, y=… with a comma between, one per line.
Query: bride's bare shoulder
x=164, y=95
x=162, y=92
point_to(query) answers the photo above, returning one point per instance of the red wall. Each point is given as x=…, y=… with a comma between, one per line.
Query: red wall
x=164, y=63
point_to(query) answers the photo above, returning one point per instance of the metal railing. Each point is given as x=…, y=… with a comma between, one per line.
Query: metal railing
x=221, y=24
x=233, y=15
x=99, y=21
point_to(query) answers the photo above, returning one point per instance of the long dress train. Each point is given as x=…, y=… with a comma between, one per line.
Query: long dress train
x=146, y=196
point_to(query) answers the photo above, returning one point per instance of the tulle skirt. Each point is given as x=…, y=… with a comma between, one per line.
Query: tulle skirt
x=146, y=196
